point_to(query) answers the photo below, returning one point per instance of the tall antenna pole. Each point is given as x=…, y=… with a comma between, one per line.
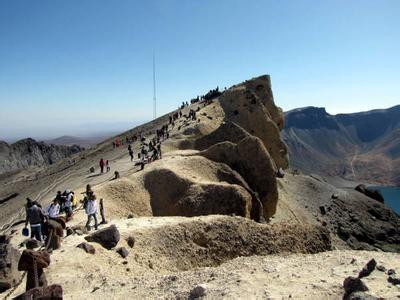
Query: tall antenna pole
x=154, y=87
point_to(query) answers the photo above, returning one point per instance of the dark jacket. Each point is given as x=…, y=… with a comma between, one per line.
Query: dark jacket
x=35, y=215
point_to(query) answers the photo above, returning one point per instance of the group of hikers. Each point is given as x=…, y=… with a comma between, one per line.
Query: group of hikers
x=104, y=164
x=63, y=203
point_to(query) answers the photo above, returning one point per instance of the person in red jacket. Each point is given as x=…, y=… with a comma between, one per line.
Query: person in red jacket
x=102, y=164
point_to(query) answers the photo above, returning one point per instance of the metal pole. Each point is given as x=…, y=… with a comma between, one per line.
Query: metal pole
x=154, y=87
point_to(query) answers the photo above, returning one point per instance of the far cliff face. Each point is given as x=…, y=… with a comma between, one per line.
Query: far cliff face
x=28, y=152
x=362, y=146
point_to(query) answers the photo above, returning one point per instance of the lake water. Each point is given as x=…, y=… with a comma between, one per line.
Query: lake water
x=392, y=196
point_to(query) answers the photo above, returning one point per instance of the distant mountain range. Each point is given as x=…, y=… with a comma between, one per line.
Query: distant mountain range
x=363, y=146
x=85, y=142
x=28, y=152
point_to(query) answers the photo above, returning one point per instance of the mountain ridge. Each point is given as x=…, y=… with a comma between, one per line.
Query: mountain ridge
x=365, y=143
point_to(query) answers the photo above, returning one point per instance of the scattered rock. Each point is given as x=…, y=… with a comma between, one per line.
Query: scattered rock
x=322, y=210
x=391, y=272
x=87, y=247
x=198, y=291
x=353, y=284
x=130, y=216
x=369, y=267
x=394, y=280
x=123, y=252
x=381, y=268
x=131, y=241
x=107, y=237
x=335, y=196
x=53, y=292
x=361, y=296
x=70, y=231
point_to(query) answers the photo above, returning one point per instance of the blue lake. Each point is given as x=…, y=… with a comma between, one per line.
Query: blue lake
x=392, y=196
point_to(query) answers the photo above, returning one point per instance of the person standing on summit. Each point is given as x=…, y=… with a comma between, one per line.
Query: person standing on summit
x=102, y=164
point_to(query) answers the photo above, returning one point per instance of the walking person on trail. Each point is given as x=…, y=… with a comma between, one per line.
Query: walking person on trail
x=91, y=209
x=102, y=164
x=54, y=209
x=35, y=217
x=68, y=203
x=108, y=166
x=131, y=154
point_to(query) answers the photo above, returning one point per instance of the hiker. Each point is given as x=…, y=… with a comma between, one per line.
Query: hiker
x=35, y=217
x=91, y=209
x=103, y=218
x=102, y=164
x=131, y=154
x=54, y=209
x=68, y=203
x=108, y=166
x=159, y=150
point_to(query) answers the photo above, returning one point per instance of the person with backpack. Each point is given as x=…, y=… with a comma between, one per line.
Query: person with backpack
x=91, y=209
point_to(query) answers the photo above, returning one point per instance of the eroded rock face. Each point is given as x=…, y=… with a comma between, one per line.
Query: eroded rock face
x=9, y=257
x=250, y=159
x=251, y=106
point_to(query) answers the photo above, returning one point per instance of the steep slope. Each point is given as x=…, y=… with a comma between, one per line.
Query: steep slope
x=28, y=152
x=359, y=146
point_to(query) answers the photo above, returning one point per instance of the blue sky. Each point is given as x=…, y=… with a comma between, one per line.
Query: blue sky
x=70, y=67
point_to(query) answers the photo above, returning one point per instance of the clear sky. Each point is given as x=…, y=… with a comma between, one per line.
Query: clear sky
x=70, y=67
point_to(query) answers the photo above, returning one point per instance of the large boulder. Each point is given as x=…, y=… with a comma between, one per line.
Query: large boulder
x=28, y=257
x=53, y=292
x=9, y=257
x=194, y=186
x=253, y=162
x=107, y=237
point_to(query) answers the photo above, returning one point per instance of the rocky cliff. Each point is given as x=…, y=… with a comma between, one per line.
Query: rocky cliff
x=28, y=152
x=359, y=146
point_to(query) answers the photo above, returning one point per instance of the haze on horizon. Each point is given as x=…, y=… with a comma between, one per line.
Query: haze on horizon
x=80, y=67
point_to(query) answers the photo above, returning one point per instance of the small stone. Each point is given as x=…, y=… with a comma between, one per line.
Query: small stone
x=70, y=231
x=391, y=272
x=198, y=291
x=87, y=247
x=130, y=216
x=123, y=252
x=125, y=262
x=131, y=241
x=394, y=280
x=335, y=196
x=352, y=285
x=353, y=261
x=367, y=270
x=322, y=210
x=381, y=268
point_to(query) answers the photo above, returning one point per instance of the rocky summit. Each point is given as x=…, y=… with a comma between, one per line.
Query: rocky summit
x=218, y=213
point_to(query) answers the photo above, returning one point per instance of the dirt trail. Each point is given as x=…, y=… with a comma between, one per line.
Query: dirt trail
x=352, y=164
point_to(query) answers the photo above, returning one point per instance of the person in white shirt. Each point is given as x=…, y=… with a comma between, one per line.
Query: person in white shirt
x=54, y=209
x=91, y=209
